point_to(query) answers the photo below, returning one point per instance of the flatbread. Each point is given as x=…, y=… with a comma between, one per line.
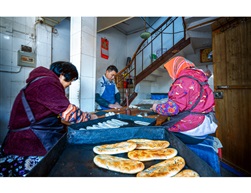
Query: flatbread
x=118, y=164
x=167, y=168
x=119, y=122
x=113, y=124
x=102, y=125
x=148, y=154
x=150, y=144
x=142, y=123
x=115, y=148
x=187, y=173
x=108, y=125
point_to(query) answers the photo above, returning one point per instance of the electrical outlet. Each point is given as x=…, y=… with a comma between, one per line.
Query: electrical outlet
x=27, y=59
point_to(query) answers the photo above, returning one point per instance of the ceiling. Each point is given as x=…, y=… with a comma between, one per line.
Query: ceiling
x=51, y=21
x=127, y=25
x=198, y=28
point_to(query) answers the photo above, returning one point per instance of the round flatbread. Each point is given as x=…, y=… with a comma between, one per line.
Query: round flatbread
x=142, y=123
x=167, y=168
x=150, y=144
x=118, y=164
x=187, y=173
x=115, y=148
x=148, y=154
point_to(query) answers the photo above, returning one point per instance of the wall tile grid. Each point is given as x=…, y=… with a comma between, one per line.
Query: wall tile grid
x=75, y=50
x=88, y=63
x=61, y=41
x=14, y=32
x=43, y=45
x=83, y=55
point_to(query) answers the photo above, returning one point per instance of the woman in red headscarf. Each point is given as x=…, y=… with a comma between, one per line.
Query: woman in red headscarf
x=190, y=102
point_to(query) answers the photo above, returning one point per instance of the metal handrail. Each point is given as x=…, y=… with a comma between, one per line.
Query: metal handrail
x=133, y=67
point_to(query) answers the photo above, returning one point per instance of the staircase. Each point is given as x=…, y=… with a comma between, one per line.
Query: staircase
x=163, y=43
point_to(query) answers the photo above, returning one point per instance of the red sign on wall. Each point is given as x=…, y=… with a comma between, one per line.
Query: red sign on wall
x=104, y=48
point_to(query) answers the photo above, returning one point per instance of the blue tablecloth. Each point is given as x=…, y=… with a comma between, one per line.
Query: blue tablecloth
x=208, y=151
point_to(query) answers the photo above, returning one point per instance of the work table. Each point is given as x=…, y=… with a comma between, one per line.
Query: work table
x=136, y=111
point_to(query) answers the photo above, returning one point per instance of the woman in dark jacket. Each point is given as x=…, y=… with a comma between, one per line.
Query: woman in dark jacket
x=40, y=109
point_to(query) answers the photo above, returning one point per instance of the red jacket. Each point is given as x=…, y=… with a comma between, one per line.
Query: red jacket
x=183, y=95
x=46, y=97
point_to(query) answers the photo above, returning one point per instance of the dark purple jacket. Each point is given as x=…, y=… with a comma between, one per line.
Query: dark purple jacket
x=46, y=97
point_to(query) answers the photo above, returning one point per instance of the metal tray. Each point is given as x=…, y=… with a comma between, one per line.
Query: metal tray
x=127, y=118
x=76, y=136
x=76, y=159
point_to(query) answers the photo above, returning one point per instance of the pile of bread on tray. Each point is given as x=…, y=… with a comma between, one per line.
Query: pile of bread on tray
x=138, y=152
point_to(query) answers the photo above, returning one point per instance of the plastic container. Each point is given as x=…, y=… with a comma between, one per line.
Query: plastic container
x=158, y=96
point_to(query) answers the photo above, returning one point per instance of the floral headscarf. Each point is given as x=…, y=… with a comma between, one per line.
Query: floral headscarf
x=176, y=65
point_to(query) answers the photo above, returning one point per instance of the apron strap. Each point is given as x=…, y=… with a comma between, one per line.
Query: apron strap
x=26, y=104
x=27, y=109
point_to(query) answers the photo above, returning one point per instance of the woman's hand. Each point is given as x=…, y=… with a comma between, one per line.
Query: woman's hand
x=94, y=116
x=153, y=108
x=115, y=106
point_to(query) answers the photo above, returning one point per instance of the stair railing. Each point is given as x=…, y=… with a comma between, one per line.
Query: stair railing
x=145, y=53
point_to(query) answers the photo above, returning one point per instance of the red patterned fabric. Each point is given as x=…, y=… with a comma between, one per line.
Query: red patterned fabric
x=168, y=108
x=74, y=114
x=184, y=93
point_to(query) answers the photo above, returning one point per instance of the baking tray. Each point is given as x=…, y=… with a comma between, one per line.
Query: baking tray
x=76, y=136
x=127, y=118
x=76, y=160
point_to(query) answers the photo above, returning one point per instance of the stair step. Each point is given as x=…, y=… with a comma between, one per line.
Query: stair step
x=161, y=69
x=150, y=78
x=158, y=72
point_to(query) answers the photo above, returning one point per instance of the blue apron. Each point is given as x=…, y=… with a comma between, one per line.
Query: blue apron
x=108, y=94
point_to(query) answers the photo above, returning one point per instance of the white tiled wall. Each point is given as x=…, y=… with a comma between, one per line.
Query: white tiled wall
x=83, y=55
x=61, y=41
x=14, y=32
x=88, y=63
x=75, y=52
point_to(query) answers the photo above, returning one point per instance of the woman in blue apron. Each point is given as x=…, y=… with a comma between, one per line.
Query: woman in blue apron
x=107, y=94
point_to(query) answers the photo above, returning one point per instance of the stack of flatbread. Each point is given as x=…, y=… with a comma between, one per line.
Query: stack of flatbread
x=138, y=151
